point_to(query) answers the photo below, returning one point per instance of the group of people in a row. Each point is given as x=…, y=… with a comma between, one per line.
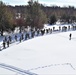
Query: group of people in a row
x=23, y=36
x=27, y=35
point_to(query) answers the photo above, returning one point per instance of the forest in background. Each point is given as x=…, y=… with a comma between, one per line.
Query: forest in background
x=34, y=15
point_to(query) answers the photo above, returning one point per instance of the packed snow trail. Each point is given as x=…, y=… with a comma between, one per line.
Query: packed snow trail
x=15, y=69
x=68, y=64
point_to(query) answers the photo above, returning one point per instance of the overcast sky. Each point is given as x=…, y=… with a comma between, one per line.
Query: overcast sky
x=45, y=2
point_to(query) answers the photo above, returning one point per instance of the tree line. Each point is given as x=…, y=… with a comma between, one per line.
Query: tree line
x=34, y=15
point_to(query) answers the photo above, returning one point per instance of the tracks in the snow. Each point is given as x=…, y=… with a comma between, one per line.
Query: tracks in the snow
x=16, y=70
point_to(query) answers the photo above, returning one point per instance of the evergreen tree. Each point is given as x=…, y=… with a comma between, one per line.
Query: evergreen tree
x=52, y=19
x=35, y=17
x=6, y=18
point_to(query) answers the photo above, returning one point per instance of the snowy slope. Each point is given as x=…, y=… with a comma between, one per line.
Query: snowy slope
x=48, y=54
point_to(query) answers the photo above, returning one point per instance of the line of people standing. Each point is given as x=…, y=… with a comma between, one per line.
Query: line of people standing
x=23, y=36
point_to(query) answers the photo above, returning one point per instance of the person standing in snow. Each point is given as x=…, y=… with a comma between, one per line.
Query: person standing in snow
x=16, y=37
x=38, y=32
x=5, y=39
x=22, y=36
x=70, y=36
x=25, y=36
x=7, y=43
x=4, y=43
x=10, y=39
x=20, y=39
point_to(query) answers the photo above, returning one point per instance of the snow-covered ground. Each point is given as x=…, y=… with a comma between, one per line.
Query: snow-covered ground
x=49, y=54
x=6, y=72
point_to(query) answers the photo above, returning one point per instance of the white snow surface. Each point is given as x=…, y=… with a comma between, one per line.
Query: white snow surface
x=52, y=54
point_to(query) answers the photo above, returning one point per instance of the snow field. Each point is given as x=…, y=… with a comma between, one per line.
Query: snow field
x=49, y=54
